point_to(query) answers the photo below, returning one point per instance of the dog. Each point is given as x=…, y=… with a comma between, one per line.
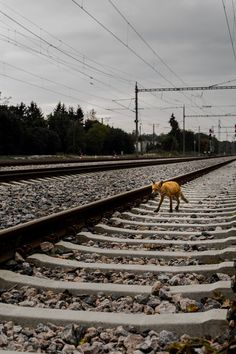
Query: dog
x=170, y=189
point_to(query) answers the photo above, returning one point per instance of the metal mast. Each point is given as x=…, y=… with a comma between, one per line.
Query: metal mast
x=190, y=88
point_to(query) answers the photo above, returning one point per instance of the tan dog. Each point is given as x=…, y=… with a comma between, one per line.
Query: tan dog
x=170, y=189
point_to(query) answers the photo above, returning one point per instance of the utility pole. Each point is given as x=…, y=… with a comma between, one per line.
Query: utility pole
x=199, y=141
x=219, y=126
x=153, y=132
x=178, y=89
x=183, y=129
x=140, y=139
x=211, y=132
x=136, y=118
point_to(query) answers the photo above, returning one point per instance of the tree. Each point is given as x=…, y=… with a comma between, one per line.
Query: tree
x=175, y=133
x=174, y=125
x=19, y=111
x=189, y=140
x=59, y=122
x=79, y=115
x=166, y=141
x=91, y=115
x=23, y=130
x=11, y=132
x=118, y=141
x=76, y=133
x=89, y=124
x=39, y=140
x=34, y=116
x=95, y=137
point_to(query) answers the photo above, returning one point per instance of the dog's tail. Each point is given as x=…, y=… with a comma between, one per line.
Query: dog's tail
x=183, y=197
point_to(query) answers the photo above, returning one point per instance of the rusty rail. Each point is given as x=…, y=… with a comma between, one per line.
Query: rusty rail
x=24, y=174
x=27, y=236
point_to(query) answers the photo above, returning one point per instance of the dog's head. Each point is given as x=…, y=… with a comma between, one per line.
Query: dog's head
x=156, y=186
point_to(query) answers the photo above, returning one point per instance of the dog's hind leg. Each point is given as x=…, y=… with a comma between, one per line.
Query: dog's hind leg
x=171, y=210
x=177, y=206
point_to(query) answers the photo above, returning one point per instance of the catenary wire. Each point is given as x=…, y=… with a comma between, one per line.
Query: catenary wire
x=228, y=27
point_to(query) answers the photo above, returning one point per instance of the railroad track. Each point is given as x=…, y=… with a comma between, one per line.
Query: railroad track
x=135, y=282
x=55, y=161
x=85, y=167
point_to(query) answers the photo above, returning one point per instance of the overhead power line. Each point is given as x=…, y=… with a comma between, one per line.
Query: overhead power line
x=234, y=17
x=52, y=81
x=196, y=88
x=145, y=42
x=57, y=48
x=137, y=90
x=56, y=60
x=128, y=47
x=121, y=41
x=38, y=86
x=55, y=92
x=71, y=56
x=61, y=42
x=228, y=26
x=210, y=115
x=50, y=56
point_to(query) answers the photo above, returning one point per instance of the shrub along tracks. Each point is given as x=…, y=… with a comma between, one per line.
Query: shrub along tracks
x=139, y=270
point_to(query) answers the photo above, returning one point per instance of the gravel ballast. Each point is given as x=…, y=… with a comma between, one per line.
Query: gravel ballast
x=25, y=201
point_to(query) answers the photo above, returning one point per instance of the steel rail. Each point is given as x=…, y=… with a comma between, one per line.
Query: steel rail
x=24, y=174
x=54, y=160
x=27, y=236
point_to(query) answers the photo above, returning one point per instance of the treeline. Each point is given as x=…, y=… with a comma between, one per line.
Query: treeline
x=194, y=143
x=25, y=130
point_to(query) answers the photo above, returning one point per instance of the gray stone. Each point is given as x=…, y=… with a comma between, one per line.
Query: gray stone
x=68, y=348
x=153, y=302
x=69, y=335
x=165, y=307
x=164, y=294
x=145, y=347
x=156, y=288
x=46, y=246
x=3, y=339
x=131, y=342
x=166, y=337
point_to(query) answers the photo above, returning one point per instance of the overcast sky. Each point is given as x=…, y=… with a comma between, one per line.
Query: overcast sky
x=54, y=50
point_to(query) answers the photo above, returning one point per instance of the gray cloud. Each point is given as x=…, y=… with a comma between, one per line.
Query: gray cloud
x=191, y=37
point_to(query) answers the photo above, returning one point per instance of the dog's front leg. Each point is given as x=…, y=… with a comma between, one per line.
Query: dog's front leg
x=159, y=205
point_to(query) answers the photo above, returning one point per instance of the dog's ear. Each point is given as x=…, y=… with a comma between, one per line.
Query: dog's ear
x=161, y=183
